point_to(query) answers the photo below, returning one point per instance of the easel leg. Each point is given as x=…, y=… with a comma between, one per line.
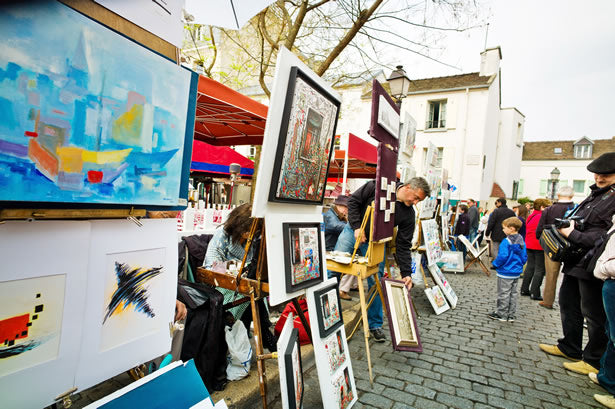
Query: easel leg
x=365, y=329
x=258, y=341
x=379, y=287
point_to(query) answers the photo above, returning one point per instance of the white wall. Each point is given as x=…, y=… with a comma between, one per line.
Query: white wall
x=533, y=171
x=509, y=149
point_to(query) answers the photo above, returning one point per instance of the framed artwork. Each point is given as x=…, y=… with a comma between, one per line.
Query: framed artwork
x=305, y=142
x=452, y=261
x=385, y=194
x=95, y=124
x=436, y=299
x=444, y=285
x=328, y=310
x=445, y=231
x=344, y=390
x=384, y=123
x=336, y=352
x=432, y=240
x=294, y=371
x=428, y=207
x=445, y=203
x=303, y=260
x=407, y=134
x=402, y=319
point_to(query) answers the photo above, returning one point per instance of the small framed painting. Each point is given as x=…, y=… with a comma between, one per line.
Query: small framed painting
x=328, y=309
x=436, y=299
x=452, y=261
x=402, y=319
x=444, y=285
x=384, y=120
x=294, y=371
x=302, y=255
x=336, y=352
x=305, y=142
x=343, y=388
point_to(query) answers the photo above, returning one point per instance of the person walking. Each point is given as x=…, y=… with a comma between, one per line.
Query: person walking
x=494, y=225
x=535, y=269
x=474, y=218
x=557, y=210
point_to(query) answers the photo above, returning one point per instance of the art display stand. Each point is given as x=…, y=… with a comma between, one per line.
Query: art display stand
x=35, y=214
x=374, y=255
x=253, y=290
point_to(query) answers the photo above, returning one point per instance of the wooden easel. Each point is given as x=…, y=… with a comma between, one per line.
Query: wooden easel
x=374, y=255
x=252, y=290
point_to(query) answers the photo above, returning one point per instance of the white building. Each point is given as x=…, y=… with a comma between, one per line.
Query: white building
x=479, y=143
x=569, y=157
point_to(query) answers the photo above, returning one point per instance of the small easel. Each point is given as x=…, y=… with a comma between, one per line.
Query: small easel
x=253, y=290
x=374, y=255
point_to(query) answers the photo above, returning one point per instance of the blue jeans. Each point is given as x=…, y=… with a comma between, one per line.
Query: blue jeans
x=345, y=242
x=606, y=376
x=473, y=234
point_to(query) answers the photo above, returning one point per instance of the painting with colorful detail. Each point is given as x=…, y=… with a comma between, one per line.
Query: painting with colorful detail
x=328, y=310
x=344, y=389
x=87, y=115
x=334, y=345
x=30, y=321
x=132, y=291
x=302, y=255
x=305, y=143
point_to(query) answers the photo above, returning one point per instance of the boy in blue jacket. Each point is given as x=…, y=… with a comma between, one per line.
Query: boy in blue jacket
x=509, y=266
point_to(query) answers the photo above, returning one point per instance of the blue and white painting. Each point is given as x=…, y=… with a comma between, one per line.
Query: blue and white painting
x=87, y=115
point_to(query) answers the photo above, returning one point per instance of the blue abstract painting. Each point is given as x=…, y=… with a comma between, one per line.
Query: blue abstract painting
x=86, y=114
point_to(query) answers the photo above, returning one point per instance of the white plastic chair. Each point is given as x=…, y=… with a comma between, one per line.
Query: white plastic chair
x=475, y=252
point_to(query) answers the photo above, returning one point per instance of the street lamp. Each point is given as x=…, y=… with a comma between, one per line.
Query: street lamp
x=554, y=178
x=399, y=84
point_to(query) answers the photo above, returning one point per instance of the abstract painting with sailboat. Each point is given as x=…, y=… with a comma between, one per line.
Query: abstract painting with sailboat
x=87, y=115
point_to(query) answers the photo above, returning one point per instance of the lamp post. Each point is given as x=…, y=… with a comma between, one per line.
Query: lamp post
x=399, y=84
x=554, y=178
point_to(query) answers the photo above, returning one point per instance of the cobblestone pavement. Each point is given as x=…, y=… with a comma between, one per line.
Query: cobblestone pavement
x=468, y=360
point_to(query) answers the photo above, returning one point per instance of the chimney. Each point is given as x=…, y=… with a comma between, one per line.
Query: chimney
x=490, y=61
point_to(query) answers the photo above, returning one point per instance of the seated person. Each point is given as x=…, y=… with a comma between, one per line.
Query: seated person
x=228, y=244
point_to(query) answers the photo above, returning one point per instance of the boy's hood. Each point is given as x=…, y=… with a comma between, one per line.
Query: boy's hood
x=516, y=239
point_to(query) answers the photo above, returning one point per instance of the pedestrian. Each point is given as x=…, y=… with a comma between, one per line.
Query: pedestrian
x=474, y=217
x=494, y=225
x=407, y=195
x=509, y=266
x=535, y=269
x=556, y=210
x=462, y=228
x=580, y=295
x=521, y=212
x=605, y=271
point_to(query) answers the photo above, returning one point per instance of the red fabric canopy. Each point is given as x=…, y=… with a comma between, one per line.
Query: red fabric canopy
x=225, y=117
x=362, y=160
x=216, y=159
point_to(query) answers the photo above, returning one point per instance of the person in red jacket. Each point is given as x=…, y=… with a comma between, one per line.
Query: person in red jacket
x=535, y=268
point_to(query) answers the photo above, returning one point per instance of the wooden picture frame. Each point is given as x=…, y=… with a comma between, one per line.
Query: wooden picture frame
x=294, y=371
x=303, y=259
x=328, y=309
x=385, y=120
x=402, y=318
x=305, y=143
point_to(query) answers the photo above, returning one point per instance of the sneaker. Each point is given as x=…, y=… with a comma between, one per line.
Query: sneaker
x=593, y=376
x=511, y=319
x=581, y=367
x=606, y=400
x=496, y=316
x=378, y=334
x=554, y=350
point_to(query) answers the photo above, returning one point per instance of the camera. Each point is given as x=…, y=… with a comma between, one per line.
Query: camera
x=579, y=223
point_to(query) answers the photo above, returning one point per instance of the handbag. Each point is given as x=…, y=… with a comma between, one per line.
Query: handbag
x=558, y=247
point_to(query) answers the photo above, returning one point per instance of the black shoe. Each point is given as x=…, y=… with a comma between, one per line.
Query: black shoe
x=496, y=316
x=539, y=298
x=525, y=293
x=378, y=334
x=269, y=340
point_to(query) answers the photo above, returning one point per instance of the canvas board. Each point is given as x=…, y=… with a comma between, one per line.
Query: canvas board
x=94, y=124
x=436, y=299
x=333, y=363
x=431, y=238
x=275, y=118
x=274, y=232
x=127, y=321
x=444, y=285
x=49, y=258
x=452, y=261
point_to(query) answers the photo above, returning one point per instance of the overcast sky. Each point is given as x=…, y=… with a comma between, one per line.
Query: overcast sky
x=558, y=65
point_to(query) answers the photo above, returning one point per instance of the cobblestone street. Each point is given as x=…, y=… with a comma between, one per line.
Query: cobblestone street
x=468, y=360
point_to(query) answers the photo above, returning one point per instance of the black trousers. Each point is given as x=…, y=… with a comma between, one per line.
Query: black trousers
x=534, y=273
x=580, y=299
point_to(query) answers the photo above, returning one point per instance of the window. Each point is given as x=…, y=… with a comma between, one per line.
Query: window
x=557, y=150
x=578, y=186
x=542, y=190
x=437, y=115
x=515, y=190
x=520, y=186
x=583, y=151
x=252, y=152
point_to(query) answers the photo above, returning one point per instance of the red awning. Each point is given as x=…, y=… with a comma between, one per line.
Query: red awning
x=216, y=159
x=362, y=160
x=225, y=117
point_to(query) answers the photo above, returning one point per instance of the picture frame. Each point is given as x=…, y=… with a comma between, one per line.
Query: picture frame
x=303, y=258
x=328, y=309
x=384, y=123
x=452, y=261
x=305, y=141
x=294, y=371
x=344, y=391
x=402, y=317
x=444, y=285
x=436, y=299
x=431, y=238
x=336, y=350
x=385, y=193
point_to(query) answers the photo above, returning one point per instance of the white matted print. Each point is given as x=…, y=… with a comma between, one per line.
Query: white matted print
x=436, y=299
x=432, y=240
x=43, y=264
x=336, y=352
x=444, y=285
x=343, y=387
x=148, y=255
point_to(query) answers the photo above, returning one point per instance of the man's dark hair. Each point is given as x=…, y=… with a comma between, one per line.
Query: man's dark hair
x=501, y=200
x=464, y=208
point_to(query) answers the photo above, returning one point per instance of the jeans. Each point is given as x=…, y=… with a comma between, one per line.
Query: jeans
x=507, y=297
x=606, y=376
x=534, y=272
x=580, y=299
x=473, y=234
x=345, y=242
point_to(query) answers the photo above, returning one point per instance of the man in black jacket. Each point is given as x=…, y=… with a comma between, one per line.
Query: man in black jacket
x=473, y=216
x=407, y=195
x=580, y=295
x=494, y=226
